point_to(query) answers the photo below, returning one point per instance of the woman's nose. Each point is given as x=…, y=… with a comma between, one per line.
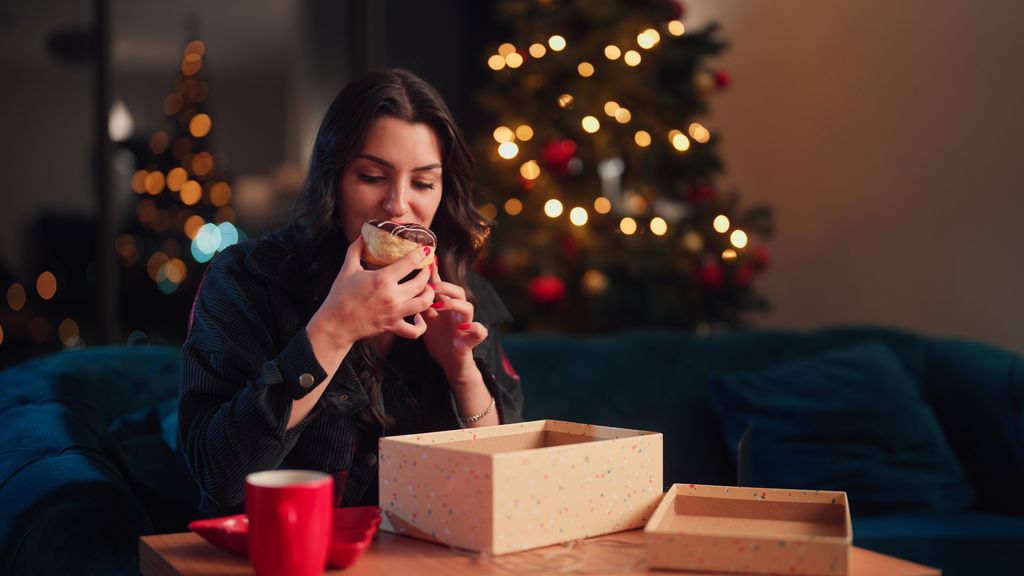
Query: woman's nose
x=397, y=202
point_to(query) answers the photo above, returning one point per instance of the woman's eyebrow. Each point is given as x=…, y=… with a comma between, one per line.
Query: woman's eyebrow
x=391, y=166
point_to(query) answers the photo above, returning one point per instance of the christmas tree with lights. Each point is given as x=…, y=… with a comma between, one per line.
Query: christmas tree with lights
x=182, y=212
x=601, y=171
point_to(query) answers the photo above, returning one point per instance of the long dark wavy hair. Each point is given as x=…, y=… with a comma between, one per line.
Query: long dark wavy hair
x=461, y=229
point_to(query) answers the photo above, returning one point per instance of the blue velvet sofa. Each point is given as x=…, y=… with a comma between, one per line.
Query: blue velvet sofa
x=88, y=459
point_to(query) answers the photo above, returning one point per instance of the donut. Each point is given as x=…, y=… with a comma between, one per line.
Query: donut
x=386, y=242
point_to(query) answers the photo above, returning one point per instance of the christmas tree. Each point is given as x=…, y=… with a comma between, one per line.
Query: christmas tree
x=601, y=171
x=182, y=212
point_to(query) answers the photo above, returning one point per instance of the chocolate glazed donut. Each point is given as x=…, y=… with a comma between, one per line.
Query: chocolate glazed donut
x=386, y=241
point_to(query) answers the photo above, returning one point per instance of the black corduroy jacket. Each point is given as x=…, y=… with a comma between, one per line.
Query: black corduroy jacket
x=247, y=349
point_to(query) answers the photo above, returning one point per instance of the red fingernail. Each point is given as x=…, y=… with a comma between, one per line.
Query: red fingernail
x=426, y=250
x=438, y=305
x=431, y=284
x=464, y=326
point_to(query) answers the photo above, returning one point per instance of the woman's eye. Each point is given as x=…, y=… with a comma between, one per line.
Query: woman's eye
x=423, y=185
x=370, y=178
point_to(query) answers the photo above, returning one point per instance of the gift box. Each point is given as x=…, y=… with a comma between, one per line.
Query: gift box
x=750, y=530
x=501, y=489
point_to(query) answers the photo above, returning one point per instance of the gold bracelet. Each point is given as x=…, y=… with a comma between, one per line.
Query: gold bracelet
x=472, y=419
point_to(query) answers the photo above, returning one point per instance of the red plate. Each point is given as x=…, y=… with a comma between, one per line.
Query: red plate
x=354, y=529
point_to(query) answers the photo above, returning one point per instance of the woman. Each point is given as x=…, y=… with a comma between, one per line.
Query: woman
x=298, y=356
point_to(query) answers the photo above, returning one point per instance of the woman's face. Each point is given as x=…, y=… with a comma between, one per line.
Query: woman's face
x=396, y=176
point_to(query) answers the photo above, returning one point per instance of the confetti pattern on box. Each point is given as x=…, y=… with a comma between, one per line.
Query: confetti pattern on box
x=434, y=486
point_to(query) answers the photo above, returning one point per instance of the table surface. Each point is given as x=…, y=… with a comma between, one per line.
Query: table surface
x=390, y=554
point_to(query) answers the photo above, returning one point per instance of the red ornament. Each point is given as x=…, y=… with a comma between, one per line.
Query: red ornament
x=761, y=257
x=557, y=154
x=547, y=289
x=702, y=193
x=711, y=275
x=722, y=79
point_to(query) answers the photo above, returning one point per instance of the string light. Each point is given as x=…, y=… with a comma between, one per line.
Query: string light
x=566, y=101
x=503, y=134
x=553, y=208
x=699, y=133
x=175, y=178
x=578, y=216
x=524, y=132
x=530, y=170
x=68, y=332
x=16, y=296
x=514, y=60
x=721, y=223
x=738, y=238
x=611, y=107
x=659, y=226
x=513, y=206
x=139, y=181
x=202, y=163
x=537, y=50
x=46, y=285
x=627, y=225
x=602, y=205
x=648, y=38
x=622, y=115
x=586, y=69
x=220, y=194
x=632, y=58
x=693, y=242
x=590, y=124
x=642, y=138
x=154, y=183
x=496, y=62
x=681, y=142
x=508, y=150
x=200, y=125
x=506, y=49
x=192, y=225
x=676, y=28
x=159, y=142
x=612, y=52
x=557, y=43
x=729, y=255
x=190, y=192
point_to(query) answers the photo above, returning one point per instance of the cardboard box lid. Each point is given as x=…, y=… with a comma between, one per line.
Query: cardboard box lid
x=760, y=513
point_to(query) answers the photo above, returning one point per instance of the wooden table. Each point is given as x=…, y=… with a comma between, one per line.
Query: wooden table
x=390, y=554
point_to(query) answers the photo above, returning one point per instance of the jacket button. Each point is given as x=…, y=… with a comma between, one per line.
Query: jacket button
x=371, y=459
x=306, y=380
x=343, y=397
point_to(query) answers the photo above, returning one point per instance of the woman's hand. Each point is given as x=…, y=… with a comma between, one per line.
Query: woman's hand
x=364, y=303
x=451, y=333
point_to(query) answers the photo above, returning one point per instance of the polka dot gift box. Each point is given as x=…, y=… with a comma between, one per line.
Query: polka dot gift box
x=502, y=489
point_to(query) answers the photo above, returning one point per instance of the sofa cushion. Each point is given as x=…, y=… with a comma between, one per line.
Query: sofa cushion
x=851, y=419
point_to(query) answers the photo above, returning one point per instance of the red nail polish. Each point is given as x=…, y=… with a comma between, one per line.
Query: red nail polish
x=438, y=305
x=426, y=250
x=465, y=326
x=431, y=284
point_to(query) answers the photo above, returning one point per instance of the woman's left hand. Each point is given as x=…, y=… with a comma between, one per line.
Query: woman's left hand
x=451, y=332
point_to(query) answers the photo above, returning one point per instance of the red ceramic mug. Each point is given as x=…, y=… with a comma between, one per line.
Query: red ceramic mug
x=290, y=521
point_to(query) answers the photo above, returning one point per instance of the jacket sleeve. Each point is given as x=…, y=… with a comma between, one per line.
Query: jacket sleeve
x=236, y=388
x=499, y=376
